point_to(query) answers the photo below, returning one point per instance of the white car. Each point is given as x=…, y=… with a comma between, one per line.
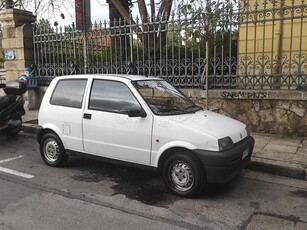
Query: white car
x=142, y=121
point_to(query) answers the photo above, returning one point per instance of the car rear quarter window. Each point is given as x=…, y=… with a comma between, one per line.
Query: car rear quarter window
x=69, y=93
x=112, y=96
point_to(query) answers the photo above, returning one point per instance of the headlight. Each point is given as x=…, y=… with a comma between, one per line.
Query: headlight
x=225, y=143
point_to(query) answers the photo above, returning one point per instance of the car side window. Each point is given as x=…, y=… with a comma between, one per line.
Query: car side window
x=112, y=96
x=69, y=93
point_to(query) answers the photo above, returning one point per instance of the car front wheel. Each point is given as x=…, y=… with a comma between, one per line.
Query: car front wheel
x=183, y=174
x=52, y=150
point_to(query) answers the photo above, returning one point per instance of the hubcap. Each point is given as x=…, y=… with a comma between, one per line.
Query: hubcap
x=51, y=150
x=182, y=176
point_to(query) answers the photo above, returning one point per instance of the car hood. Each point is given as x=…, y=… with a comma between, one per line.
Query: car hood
x=212, y=124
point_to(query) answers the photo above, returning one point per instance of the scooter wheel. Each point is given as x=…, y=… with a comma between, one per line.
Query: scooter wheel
x=13, y=131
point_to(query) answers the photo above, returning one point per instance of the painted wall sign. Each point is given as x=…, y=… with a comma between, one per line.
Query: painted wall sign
x=244, y=95
x=9, y=54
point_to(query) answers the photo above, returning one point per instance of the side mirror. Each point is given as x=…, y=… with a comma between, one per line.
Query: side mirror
x=137, y=113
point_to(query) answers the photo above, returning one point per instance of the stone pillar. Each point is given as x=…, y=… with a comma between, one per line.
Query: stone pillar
x=17, y=42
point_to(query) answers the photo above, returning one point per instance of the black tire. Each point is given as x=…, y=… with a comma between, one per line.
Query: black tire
x=183, y=174
x=13, y=131
x=52, y=150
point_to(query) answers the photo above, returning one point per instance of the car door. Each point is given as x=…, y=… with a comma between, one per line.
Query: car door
x=63, y=113
x=108, y=131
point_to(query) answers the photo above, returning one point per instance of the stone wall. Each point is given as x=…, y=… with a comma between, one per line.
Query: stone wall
x=17, y=41
x=271, y=111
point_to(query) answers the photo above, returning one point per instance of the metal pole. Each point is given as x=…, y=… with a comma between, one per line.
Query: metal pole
x=85, y=51
x=131, y=40
x=207, y=75
x=35, y=9
x=84, y=38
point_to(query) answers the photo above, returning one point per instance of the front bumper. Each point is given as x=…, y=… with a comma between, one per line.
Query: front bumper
x=223, y=166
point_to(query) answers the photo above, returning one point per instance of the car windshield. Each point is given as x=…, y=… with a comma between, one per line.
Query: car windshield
x=164, y=99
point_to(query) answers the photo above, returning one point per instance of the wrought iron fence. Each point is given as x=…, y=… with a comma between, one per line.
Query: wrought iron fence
x=122, y=48
x=262, y=45
x=273, y=47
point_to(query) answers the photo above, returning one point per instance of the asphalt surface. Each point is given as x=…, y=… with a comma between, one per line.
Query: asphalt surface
x=90, y=194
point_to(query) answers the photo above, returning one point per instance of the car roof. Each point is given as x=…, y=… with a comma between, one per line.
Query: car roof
x=113, y=76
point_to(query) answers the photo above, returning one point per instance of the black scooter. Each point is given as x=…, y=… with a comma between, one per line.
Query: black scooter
x=11, y=106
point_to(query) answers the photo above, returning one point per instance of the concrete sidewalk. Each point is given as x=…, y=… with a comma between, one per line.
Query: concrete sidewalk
x=272, y=154
x=280, y=155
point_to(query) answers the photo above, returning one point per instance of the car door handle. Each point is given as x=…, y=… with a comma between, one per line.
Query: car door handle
x=87, y=116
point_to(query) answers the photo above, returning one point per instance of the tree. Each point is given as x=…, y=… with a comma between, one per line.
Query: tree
x=43, y=8
x=119, y=7
x=215, y=17
x=43, y=26
x=119, y=10
x=116, y=19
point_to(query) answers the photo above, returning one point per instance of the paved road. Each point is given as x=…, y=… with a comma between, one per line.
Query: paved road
x=29, y=208
x=88, y=194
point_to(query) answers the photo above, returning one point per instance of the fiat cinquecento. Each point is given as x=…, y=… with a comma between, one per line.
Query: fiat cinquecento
x=143, y=121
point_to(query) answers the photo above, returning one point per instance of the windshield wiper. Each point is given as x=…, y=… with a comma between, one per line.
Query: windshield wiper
x=170, y=111
x=179, y=110
x=194, y=107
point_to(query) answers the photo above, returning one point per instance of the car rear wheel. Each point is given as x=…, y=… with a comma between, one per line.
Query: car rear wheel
x=52, y=150
x=183, y=174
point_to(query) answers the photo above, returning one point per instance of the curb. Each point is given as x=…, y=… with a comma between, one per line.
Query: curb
x=280, y=168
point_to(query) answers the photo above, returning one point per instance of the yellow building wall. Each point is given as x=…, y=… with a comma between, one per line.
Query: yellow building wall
x=272, y=41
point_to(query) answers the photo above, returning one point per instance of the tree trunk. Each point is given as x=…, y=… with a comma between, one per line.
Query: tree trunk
x=119, y=22
x=117, y=8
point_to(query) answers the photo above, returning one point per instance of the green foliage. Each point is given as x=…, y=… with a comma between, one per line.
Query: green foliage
x=44, y=26
x=214, y=21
